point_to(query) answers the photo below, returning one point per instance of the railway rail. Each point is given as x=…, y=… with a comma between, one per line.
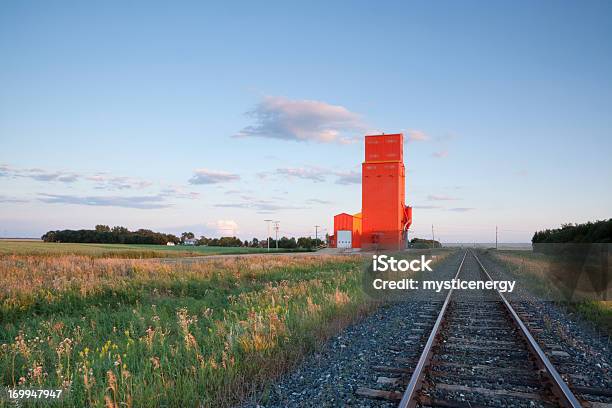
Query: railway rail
x=479, y=353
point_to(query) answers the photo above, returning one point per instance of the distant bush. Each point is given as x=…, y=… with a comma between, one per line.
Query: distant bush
x=424, y=243
x=103, y=234
x=590, y=232
x=220, y=242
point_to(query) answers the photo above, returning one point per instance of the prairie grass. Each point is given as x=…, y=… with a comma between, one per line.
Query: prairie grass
x=140, y=333
x=533, y=272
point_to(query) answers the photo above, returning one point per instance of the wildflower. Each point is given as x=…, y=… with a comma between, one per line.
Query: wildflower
x=37, y=373
x=112, y=381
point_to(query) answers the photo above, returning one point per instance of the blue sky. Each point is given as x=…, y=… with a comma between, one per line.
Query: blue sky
x=214, y=117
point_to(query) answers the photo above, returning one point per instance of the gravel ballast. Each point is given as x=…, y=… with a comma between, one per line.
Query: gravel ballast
x=331, y=376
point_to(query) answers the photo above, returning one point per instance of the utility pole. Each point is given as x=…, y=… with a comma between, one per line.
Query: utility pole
x=316, y=233
x=433, y=237
x=276, y=229
x=268, y=238
x=496, y=237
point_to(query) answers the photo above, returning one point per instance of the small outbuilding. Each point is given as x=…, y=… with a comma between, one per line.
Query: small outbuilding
x=347, y=231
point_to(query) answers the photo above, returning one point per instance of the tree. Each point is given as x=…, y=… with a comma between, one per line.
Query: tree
x=187, y=235
x=287, y=243
x=304, y=242
x=102, y=228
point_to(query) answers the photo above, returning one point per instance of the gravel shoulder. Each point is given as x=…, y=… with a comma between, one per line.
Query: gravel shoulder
x=330, y=377
x=581, y=354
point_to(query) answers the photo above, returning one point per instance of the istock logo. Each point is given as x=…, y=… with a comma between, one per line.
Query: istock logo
x=384, y=263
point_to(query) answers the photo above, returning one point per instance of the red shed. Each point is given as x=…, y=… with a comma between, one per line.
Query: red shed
x=347, y=231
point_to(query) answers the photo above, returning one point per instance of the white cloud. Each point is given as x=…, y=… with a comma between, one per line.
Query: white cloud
x=178, y=192
x=310, y=173
x=101, y=181
x=433, y=197
x=417, y=136
x=224, y=227
x=205, y=176
x=350, y=177
x=5, y=170
x=14, y=200
x=316, y=174
x=440, y=154
x=303, y=120
x=38, y=174
x=106, y=181
x=140, y=202
x=317, y=201
x=261, y=206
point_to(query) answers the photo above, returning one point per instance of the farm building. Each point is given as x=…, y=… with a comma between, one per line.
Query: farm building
x=384, y=218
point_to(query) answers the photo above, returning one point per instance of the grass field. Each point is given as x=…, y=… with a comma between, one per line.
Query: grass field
x=38, y=248
x=534, y=270
x=146, y=332
x=125, y=332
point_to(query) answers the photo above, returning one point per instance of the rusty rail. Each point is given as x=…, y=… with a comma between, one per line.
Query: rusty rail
x=416, y=381
x=559, y=386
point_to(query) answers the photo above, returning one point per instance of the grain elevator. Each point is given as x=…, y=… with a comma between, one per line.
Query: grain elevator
x=384, y=218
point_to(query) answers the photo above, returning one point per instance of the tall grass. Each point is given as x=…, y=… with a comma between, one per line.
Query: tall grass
x=119, y=332
x=533, y=272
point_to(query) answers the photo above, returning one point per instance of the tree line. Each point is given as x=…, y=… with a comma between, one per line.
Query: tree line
x=590, y=232
x=103, y=234
x=283, y=242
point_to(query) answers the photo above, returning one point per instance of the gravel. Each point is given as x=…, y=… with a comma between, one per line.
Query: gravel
x=330, y=377
x=580, y=353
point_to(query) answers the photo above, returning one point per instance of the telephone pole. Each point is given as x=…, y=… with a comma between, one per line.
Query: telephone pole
x=268, y=238
x=276, y=229
x=496, y=237
x=433, y=237
x=317, y=233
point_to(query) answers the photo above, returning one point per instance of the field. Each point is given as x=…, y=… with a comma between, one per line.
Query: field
x=535, y=271
x=157, y=332
x=144, y=332
x=16, y=247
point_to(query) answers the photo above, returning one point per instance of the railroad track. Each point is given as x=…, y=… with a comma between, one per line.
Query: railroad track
x=479, y=353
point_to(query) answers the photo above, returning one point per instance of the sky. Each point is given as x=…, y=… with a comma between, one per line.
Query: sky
x=213, y=117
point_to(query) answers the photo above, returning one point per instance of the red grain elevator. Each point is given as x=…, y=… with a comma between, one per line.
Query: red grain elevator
x=384, y=219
